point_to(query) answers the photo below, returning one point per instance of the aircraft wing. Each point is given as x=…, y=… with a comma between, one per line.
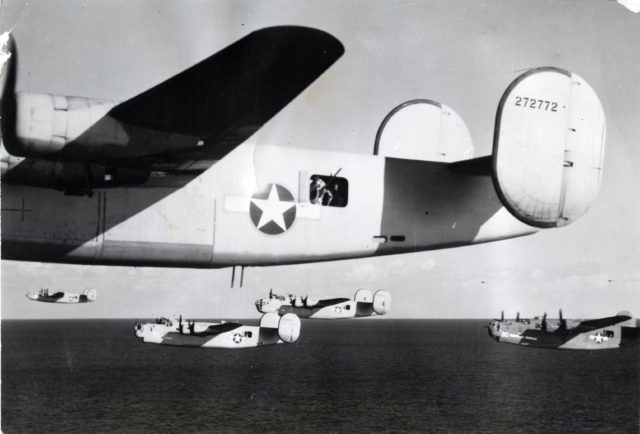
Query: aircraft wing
x=198, y=115
x=599, y=323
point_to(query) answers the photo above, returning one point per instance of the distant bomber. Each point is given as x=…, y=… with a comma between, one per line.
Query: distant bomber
x=63, y=297
x=272, y=330
x=363, y=304
x=568, y=334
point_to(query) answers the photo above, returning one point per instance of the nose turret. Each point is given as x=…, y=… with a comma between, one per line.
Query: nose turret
x=260, y=304
x=138, y=329
x=494, y=330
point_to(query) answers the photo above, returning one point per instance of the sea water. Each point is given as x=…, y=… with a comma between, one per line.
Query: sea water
x=365, y=375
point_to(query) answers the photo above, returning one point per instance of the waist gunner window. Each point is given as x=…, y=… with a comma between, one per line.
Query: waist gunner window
x=328, y=190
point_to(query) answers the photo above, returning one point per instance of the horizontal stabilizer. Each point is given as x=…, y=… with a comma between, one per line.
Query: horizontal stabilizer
x=424, y=130
x=548, y=147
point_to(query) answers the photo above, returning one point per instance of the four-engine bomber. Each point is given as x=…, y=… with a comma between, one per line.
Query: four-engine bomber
x=363, y=304
x=568, y=334
x=273, y=330
x=47, y=296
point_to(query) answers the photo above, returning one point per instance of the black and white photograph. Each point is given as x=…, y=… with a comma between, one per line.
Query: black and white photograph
x=332, y=216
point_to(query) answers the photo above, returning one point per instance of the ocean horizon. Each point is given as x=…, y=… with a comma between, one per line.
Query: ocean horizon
x=382, y=375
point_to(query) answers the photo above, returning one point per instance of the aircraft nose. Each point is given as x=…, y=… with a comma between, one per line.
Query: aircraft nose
x=138, y=329
x=492, y=333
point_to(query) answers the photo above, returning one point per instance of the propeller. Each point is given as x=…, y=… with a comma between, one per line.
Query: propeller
x=304, y=301
x=192, y=327
x=501, y=317
x=180, y=324
x=8, y=104
x=563, y=322
x=543, y=323
x=518, y=317
x=292, y=299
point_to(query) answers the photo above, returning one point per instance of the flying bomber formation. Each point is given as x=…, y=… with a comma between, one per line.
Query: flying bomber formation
x=280, y=322
x=567, y=334
x=363, y=304
x=169, y=178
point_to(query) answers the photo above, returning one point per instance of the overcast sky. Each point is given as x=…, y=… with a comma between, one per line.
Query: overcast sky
x=461, y=53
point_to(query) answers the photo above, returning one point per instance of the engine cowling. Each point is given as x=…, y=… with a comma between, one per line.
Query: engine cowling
x=382, y=302
x=289, y=328
x=46, y=124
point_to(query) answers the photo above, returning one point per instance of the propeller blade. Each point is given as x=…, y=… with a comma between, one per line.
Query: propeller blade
x=502, y=315
x=8, y=104
x=518, y=317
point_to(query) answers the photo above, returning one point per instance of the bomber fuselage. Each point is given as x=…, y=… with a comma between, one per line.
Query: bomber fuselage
x=261, y=205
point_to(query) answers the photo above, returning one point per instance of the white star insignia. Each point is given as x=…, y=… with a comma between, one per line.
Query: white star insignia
x=273, y=209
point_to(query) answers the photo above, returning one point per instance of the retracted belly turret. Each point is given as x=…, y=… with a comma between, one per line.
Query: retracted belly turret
x=597, y=334
x=47, y=296
x=365, y=303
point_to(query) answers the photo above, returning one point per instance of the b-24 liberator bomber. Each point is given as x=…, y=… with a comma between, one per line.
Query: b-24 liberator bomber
x=47, y=296
x=363, y=304
x=175, y=176
x=568, y=334
x=272, y=330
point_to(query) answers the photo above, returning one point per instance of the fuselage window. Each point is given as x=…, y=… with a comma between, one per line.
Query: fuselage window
x=327, y=190
x=348, y=307
x=248, y=334
x=608, y=333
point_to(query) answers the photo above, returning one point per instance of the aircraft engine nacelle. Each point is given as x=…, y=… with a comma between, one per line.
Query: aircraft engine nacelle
x=46, y=124
x=289, y=328
x=363, y=296
x=548, y=147
x=382, y=302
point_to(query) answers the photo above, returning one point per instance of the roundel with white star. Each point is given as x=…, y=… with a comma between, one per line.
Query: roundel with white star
x=273, y=209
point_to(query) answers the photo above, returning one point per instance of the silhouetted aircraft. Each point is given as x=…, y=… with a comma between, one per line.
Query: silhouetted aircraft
x=568, y=334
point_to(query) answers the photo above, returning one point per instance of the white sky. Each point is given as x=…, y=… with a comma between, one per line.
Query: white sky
x=461, y=53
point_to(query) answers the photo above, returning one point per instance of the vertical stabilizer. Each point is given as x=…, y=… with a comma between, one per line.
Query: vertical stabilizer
x=548, y=147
